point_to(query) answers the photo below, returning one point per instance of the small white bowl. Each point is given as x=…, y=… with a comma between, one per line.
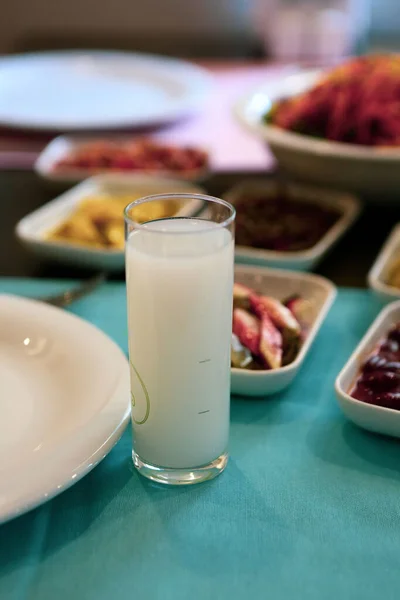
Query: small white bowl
x=368, y=416
x=31, y=229
x=62, y=146
x=305, y=260
x=378, y=273
x=282, y=284
x=358, y=168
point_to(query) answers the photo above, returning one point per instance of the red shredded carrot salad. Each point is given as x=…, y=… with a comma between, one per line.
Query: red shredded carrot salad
x=357, y=102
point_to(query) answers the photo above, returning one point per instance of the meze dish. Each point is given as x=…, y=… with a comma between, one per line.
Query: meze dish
x=288, y=224
x=98, y=220
x=85, y=225
x=280, y=222
x=357, y=102
x=378, y=381
x=266, y=333
x=308, y=298
x=132, y=155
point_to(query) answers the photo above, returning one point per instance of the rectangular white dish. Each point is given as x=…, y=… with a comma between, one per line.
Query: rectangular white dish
x=305, y=260
x=379, y=270
x=281, y=284
x=61, y=146
x=368, y=416
x=32, y=228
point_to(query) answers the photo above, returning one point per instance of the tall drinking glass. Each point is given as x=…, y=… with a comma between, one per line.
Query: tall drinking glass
x=179, y=274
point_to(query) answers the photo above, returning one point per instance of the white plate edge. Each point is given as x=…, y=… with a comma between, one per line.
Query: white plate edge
x=100, y=452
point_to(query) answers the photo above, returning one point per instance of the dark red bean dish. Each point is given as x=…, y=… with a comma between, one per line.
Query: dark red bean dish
x=379, y=379
x=280, y=223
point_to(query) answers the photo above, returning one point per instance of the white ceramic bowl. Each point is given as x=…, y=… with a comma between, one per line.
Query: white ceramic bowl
x=346, y=166
x=31, y=229
x=378, y=273
x=371, y=417
x=62, y=146
x=282, y=284
x=347, y=205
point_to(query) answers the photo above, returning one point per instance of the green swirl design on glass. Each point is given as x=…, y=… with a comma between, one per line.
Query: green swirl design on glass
x=133, y=399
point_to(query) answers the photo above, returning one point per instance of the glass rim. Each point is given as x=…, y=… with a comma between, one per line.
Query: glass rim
x=205, y=197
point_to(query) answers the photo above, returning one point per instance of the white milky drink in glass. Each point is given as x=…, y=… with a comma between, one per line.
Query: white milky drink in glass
x=179, y=296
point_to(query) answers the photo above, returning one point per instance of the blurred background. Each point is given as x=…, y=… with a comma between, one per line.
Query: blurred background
x=236, y=46
x=309, y=29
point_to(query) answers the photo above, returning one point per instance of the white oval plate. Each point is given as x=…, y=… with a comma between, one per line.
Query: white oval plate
x=72, y=90
x=281, y=284
x=63, y=145
x=64, y=401
x=369, y=416
x=332, y=164
x=346, y=204
x=379, y=270
x=31, y=229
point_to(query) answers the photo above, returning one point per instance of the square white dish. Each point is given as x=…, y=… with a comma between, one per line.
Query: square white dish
x=61, y=146
x=379, y=270
x=368, y=416
x=347, y=204
x=32, y=228
x=281, y=284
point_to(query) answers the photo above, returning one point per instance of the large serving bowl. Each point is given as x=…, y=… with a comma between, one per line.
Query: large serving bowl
x=364, y=169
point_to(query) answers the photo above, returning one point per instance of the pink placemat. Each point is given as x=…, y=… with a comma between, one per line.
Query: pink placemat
x=214, y=127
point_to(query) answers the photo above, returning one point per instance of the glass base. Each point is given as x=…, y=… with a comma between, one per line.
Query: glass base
x=169, y=476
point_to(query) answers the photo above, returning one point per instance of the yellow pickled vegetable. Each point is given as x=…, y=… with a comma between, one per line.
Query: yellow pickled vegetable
x=98, y=221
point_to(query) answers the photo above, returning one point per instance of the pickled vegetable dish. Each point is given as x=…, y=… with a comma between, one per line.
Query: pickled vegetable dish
x=379, y=379
x=267, y=333
x=98, y=221
x=280, y=223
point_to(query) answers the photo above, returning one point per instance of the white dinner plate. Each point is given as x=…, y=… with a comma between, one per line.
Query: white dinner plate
x=64, y=401
x=90, y=90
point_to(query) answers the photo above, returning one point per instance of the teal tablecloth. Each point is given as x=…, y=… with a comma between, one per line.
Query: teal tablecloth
x=309, y=506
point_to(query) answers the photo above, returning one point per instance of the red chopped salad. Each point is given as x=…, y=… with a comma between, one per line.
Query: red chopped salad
x=357, y=102
x=133, y=155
